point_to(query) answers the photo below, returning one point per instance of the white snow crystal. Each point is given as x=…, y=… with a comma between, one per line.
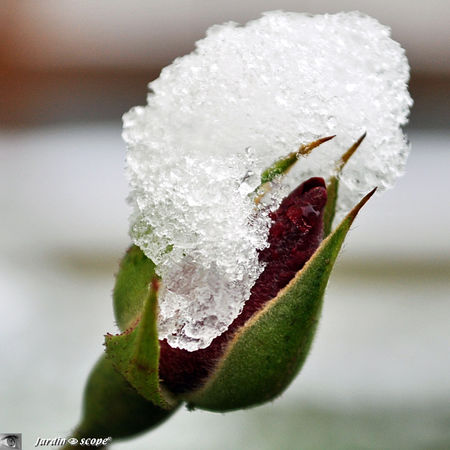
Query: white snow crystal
x=219, y=116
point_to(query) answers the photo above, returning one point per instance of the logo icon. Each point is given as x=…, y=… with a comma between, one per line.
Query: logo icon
x=72, y=441
x=11, y=440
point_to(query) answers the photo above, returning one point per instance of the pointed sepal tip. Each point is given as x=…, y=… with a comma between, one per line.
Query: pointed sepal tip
x=135, y=353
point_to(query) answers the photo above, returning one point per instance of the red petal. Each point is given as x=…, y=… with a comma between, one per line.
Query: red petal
x=295, y=234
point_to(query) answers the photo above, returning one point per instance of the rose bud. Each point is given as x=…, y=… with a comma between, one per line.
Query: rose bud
x=218, y=298
x=266, y=344
x=142, y=381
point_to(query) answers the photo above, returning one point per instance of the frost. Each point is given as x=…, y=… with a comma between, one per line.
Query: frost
x=218, y=117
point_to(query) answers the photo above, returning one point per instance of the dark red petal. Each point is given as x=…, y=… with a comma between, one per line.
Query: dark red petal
x=295, y=234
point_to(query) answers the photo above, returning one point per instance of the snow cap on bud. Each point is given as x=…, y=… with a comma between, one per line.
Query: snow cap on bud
x=217, y=118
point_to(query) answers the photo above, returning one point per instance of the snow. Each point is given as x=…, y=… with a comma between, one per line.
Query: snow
x=218, y=117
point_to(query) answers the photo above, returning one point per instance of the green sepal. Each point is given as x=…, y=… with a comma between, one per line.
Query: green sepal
x=135, y=353
x=269, y=350
x=333, y=187
x=283, y=165
x=279, y=167
x=330, y=207
x=131, y=288
x=113, y=408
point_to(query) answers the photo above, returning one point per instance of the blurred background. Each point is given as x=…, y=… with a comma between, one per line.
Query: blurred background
x=378, y=376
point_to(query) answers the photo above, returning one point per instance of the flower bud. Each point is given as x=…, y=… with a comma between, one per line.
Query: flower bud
x=265, y=346
x=141, y=381
x=218, y=302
